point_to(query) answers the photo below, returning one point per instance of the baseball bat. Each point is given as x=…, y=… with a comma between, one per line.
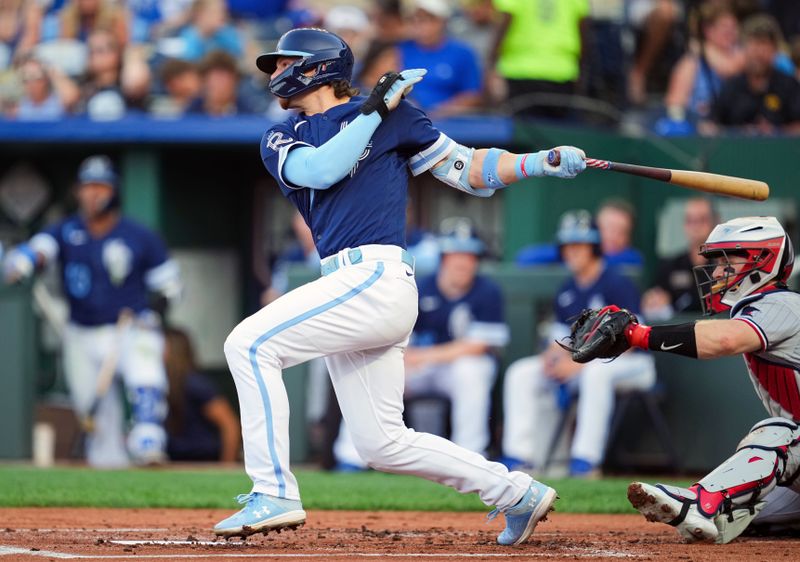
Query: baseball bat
x=701, y=181
x=108, y=368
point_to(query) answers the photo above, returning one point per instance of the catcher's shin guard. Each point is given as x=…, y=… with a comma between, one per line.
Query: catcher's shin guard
x=722, y=505
x=733, y=493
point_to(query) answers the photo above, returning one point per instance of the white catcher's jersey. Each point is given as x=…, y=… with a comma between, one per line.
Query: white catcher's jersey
x=775, y=370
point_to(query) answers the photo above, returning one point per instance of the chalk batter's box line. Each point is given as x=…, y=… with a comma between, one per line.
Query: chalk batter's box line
x=574, y=553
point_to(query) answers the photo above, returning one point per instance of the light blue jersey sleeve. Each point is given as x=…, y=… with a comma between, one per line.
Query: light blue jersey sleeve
x=323, y=166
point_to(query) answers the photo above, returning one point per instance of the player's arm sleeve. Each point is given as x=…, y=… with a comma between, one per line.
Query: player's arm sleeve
x=488, y=326
x=162, y=274
x=774, y=322
x=321, y=167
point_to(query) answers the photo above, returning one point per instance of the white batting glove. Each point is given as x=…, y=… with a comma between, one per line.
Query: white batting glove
x=20, y=263
x=403, y=86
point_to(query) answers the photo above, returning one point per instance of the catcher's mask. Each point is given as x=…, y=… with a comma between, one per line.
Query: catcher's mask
x=746, y=255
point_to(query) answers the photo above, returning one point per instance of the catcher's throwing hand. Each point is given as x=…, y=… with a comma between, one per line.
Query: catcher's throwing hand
x=599, y=334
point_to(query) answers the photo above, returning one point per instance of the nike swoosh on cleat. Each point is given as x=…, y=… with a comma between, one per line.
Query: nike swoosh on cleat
x=669, y=347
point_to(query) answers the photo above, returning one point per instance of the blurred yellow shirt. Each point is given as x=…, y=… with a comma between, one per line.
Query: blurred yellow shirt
x=543, y=41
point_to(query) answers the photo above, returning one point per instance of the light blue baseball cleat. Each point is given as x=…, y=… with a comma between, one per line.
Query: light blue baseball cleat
x=261, y=514
x=522, y=519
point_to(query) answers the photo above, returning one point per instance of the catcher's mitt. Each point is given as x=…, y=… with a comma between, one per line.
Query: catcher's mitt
x=599, y=333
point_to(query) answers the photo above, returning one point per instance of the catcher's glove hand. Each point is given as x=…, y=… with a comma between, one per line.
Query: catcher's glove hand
x=599, y=333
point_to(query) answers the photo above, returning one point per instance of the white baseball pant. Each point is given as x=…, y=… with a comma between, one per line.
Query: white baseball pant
x=359, y=317
x=140, y=363
x=531, y=406
x=467, y=382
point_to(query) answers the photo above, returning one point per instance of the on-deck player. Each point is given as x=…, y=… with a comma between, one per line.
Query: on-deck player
x=109, y=263
x=750, y=261
x=343, y=161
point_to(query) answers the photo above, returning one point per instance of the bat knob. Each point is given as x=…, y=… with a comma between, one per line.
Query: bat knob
x=554, y=157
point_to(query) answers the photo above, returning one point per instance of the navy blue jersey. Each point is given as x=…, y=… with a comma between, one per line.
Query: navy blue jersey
x=368, y=206
x=101, y=276
x=477, y=316
x=610, y=288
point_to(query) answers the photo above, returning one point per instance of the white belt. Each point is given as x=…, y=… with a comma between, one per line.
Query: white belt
x=368, y=252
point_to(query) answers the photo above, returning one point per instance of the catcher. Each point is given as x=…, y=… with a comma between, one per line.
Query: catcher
x=750, y=260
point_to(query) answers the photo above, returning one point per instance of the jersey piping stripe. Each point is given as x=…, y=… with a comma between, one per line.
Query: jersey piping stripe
x=757, y=329
x=278, y=329
x=779, y=381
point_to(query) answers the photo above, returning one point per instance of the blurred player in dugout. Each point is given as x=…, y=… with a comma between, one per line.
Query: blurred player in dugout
x=536, y=387
x=109, y=264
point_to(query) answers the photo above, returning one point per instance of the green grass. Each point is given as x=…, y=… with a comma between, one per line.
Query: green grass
x=212, y=488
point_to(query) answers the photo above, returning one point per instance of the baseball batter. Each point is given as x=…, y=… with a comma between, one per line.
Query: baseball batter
x=108, y=264
x=343, y=161
x=750, y=261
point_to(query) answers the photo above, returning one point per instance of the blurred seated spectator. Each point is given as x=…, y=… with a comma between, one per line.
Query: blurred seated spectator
x=257, y=9
x=606, y=57
x=115, y=81
x=19, y=29
x=538, y=50
x=181, y=81
x=795, y=52
x=152, y=19
x=453, y=83
x=381, y=57
x=655, y=23
x=535, y=388
x=787, y=14
x=78, y=19
x=210, y=30
x=220, y=87
x=697, y=79
x=615, y=220
x=201, y=425
x=388, y=22
x=46, y=92
x=351, y=24
x=761, y=100
x=675, y=290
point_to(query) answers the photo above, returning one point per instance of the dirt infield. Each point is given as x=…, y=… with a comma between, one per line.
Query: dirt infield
x=177, y=534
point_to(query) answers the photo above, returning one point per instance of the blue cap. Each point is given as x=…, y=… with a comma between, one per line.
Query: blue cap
x=458, y=236
x=577, y=227
x=97, y=169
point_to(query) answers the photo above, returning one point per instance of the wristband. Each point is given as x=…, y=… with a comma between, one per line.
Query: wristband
x=638, y=335
x=674, y=338
x=491, y=176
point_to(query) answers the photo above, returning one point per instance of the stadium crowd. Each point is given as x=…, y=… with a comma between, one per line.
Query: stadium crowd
x=679, y=66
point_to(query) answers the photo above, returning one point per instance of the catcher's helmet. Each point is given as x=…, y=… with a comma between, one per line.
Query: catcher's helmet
x=746, y=254
x=318, y=49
